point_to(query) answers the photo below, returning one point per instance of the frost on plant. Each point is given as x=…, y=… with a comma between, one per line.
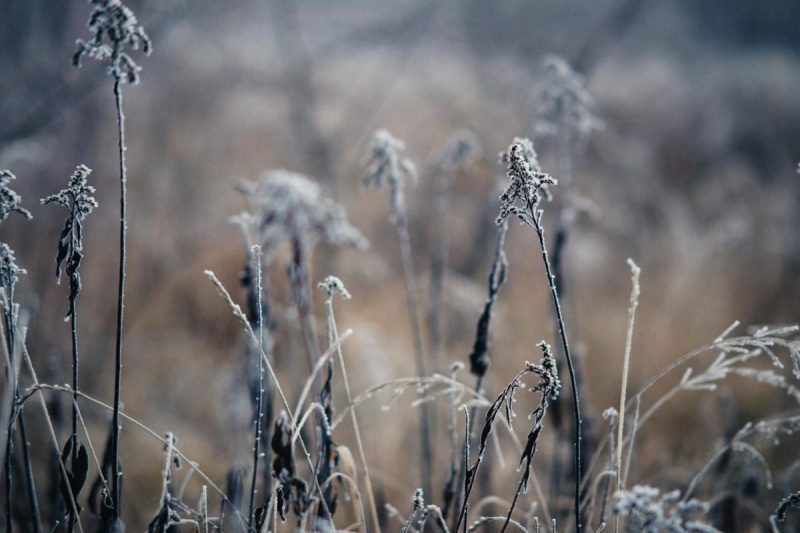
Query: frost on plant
x=9, y=199
x=333, y=286
x=564, y=103
x=526, y=182
x=384, y=163
x=113, y=27
x=78, y=200
x=649, y=511
x=461, y=149
x=289, y=207
x=9, y=271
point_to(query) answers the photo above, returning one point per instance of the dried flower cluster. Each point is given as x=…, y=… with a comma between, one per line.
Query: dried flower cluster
x=333, y=286
x=9, y=199
x=526, y=179
x=77, y=198
x=648, y=511
x=113, y=26
x=289, y=207
x=9, y=271
x=564, y=103
x=549, y=383
x=384, y=163
x=461, y=149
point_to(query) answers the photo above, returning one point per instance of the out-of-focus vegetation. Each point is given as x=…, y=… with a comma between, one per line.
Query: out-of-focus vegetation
x=689, y=168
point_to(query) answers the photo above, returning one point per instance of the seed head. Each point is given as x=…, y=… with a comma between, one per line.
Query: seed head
x=384, y=164
x=333, y=285
x=9, y=271
x=9, y=199
x=289, y=207
x=565, y=102
x=526, y=181
x=77, y=196
x=549, y=383
x=113, y=26
x=461, y=149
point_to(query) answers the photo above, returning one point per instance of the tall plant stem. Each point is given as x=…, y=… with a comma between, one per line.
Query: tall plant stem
x=73, y=320
x=115, y=421
x=260, y=393
x=14, y=415
x=536, y=224
x=33, y=500
x=462, y=471
x=426, y=459
x=334, y=339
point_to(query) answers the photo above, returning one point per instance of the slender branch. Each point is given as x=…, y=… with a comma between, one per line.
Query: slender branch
x=260, y=394
x=334, y=341
x=535, y=223
x=116, y=474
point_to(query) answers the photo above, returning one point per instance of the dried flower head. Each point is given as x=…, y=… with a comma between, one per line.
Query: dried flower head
x=564, y=103
x=527, y=181
x=9, y=199
x=333, y=285
x=384, y=164
x=113, y=26
x=78, y=200
x=461, y=149
x=649, y=511
x=77, y=196
x=549, y=383
x=289, y=207
x=9, y=271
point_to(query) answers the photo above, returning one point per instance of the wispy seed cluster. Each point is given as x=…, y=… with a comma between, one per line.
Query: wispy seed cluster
x=114, y=27
x=384, y=164
x=9, y=199
x=289, y=207
x=526, y=181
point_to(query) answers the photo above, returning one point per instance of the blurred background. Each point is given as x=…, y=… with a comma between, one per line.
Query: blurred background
x=691, y=171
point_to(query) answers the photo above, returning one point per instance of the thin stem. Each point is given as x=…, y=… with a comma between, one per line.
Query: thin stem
x=33, y=500
x=462, y=471
x=72, y=502
x=260, y=394
x=426, y=452
x=14, y=415
x=635, y=271
x=115, y=421
x=535, y=222
x=334, y=340
x=73, y=320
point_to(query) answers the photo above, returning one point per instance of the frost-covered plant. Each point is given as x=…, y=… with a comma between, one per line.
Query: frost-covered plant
x=290, y=208
x=9, y=199
x=526, y=184
x=460, y=150
x=649, y=511
x=114, y=27
x=78, y=200
x=521, y=199
x=564, y=107
x=9, y=276
x=549, y=386
x=333, y=287
x=384, y=164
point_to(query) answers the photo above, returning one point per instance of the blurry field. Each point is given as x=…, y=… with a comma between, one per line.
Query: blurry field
x=693, y=175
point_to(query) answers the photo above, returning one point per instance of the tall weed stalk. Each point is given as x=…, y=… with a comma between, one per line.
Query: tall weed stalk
x=114, y=28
